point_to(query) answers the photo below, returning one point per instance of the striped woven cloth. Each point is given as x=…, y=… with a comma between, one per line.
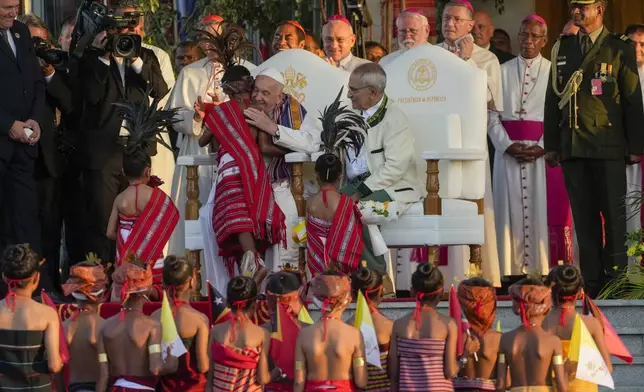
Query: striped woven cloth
x=378, y=378
x=421, y=366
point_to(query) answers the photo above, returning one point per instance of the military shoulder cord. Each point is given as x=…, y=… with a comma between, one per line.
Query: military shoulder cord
x=570, y=90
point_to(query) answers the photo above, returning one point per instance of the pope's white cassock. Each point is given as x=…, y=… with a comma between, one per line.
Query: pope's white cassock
x=459, y=265
x=634, y=182
x=196, y=79
x=520, y=198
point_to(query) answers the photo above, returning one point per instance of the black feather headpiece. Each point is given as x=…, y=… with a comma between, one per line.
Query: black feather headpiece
x=145, y=123
x=342, y=128
x=229, y=44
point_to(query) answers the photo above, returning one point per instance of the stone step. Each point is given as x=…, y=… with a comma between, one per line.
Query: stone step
x=627, y=317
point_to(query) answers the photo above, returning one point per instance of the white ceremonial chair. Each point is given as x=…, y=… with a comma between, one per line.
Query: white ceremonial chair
x=445, y=100
x=315, y=84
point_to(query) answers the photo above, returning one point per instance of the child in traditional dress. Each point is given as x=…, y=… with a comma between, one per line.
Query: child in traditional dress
x=567, y=287
x=29, y=330
x=371, y=284
x=129, y=345
x=334, y=229
x=143, y=216
x=477, y=298
x=87, y=283
x=531, y=353
x=179, y=281
x=422, y=354
x=283, y=289
x=239, y=348
x=330, y=354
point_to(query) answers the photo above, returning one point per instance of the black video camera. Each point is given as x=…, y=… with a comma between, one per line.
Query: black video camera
x=93, y=18
x=57, y=58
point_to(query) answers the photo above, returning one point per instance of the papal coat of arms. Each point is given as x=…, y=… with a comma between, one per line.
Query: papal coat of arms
x=422, y=75
x=295, y=83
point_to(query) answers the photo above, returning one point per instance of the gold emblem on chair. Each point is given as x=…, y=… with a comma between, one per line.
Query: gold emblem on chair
x=422, y=75
x=295, y=82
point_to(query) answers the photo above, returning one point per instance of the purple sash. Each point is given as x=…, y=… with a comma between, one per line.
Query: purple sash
x=524, y=130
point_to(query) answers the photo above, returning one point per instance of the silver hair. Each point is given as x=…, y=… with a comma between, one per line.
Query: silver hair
x=422, y=18
x=32, y=20
x=372, y=75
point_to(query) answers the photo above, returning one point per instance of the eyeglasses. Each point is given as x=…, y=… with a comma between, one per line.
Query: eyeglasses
x=339, y=40
x=455, y=19
x=354, y=90
x=533, y=37
x=412, y=32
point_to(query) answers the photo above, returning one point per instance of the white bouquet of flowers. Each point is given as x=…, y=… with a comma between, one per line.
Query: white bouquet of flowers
x=377, y=213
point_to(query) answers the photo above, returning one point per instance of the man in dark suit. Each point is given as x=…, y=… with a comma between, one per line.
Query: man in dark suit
x=595, y=135
x=21, y=106
x=107, y=79
x=49, y=167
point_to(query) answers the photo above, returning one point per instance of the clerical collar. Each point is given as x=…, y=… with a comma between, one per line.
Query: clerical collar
x=530, y=61
x=593, y=36
x=343, y=63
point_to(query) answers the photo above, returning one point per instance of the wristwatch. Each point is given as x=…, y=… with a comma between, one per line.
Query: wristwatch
x=282, y=374
x=276, y=137
x=466, y=58
x=462, y=360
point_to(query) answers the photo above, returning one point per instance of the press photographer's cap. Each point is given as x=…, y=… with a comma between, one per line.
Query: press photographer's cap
x=273, y=74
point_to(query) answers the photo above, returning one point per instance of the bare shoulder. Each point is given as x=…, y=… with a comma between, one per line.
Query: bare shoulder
x=449, y=322
x=156, y=314
x=46, y=312
x=333, y=199
x=591, y=323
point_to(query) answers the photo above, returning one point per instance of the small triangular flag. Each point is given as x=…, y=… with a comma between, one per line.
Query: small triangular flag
x=169, y=334
x=364, y=323
x=591, y=366
x=304, y=316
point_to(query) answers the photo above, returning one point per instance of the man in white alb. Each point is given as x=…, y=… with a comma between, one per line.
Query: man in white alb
x=634, y=172
x=413, y=31
x=456, y=25
x=520, y=196
x=338, y=39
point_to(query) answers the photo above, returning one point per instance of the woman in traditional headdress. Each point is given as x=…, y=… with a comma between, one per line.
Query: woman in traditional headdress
x=422, y=353
x=477, y=298
x=567, y=287
x=129, y=345
x=531, y=353
x=333, y=226
x=87, y=284
x=283, y=289
x=330, y=354
x=371, y=283
x=180, y=282
x=239, y=348
x=143, y=216
x=30, y=329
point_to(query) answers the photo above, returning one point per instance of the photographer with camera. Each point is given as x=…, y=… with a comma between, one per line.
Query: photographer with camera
x=58, y=101
x=115, y=68
x=21, y=105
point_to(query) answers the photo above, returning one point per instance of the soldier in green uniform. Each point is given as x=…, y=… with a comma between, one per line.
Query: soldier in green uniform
x=593, y=127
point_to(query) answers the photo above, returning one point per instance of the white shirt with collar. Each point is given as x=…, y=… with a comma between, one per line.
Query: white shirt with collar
x=137, y=66
x=12, y=43
x=357, y=165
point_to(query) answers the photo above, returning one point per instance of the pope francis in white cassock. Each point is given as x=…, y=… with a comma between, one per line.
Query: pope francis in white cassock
x=457, y=36
x=520, y=197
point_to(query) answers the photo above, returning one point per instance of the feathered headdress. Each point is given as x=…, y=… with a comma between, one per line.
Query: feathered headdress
x=342, y=128
x=145, y=123
x=229, y=44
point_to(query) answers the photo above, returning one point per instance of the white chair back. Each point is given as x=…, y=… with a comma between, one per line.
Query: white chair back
x=445, y=100
x=311, y=80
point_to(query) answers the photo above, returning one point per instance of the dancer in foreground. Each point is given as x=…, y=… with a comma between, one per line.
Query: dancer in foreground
x=87, y=283
x=239, y=348
x=179, y=282
x=330, y=354
x=422, y=354
x=477, y=298
x=567, y=287
x=30, y=329
x=129, y=345
x=143, y=216
x=371, y=283
x=531, y=353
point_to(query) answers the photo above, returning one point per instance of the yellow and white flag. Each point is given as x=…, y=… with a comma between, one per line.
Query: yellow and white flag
x=304, y=316
x=364, y=323
x=169, y=334
x=590, y=363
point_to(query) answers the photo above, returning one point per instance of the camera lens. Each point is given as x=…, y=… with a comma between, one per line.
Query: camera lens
x=125, y=44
